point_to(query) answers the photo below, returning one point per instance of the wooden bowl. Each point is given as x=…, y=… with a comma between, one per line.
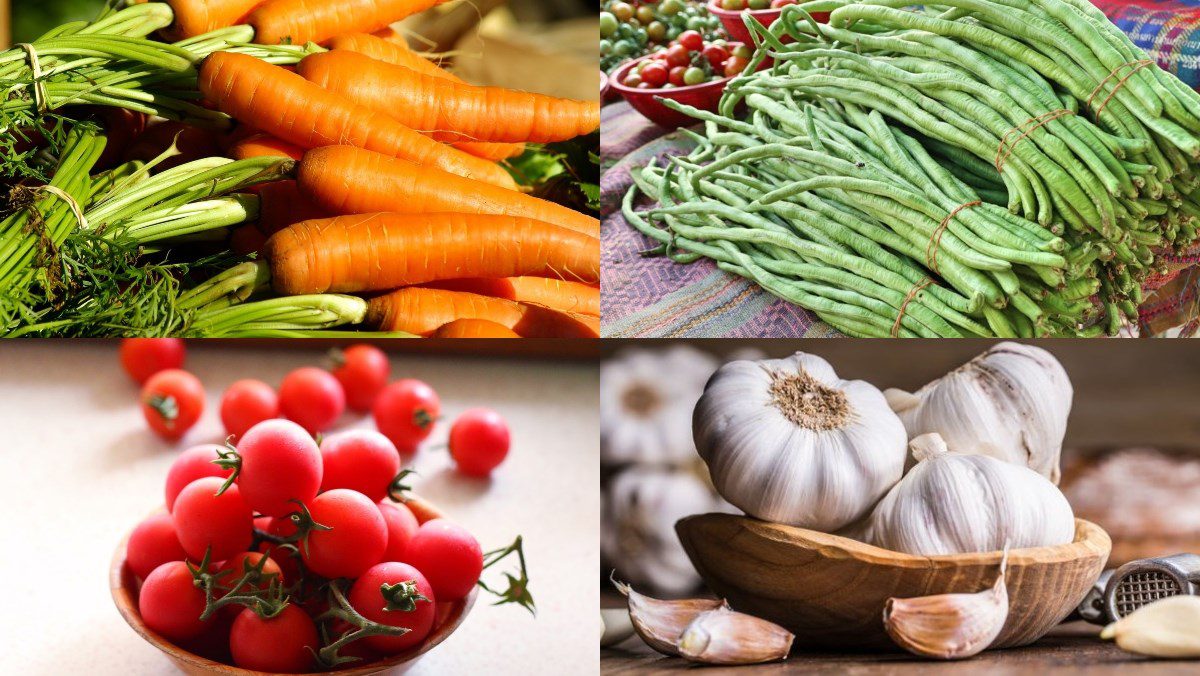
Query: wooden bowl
x=830, y=591
x=125, y=594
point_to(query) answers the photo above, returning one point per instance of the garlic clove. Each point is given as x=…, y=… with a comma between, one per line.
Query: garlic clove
x=948, y=626
x=661, y=623
x=1166, y=628
x=615, y=626
x=724, y=636
x=899, y=400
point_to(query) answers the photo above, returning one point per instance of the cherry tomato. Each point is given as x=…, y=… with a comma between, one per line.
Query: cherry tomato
x=194, y=463
x=654, y=74
x=632, y=80
x=693, y=41
x=204, y=519
x=152, y=544
x=239, y=564
x=656, y=31
x=644, y=14
x=285, y=557
x=678, y=55
x=735, y=65
x=363, y=371
x=449, y=555
x=280, y=464
x=368, y=598
x=758, y=4
x=143, y=357
x=733, y=5
x=694, y=76
x=675, y=77
x=284, y=643
x=405, y=413
x=742, y=51
x=247, y=403
x=716, y=55
x=357, y=537
x=401, y=527
x=172, y=402
x=171, y=604
x=622, y=10
x=312, y=397
x=361, y=460
x=478, y=441
x=776, y=4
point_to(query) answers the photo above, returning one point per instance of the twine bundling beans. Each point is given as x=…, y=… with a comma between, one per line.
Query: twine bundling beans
x=1005, y=150
x=935, y=240
x=908, y=298
x=1135, y=65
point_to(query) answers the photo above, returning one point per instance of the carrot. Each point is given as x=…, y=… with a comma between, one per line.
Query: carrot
x=264, y=145
x=495, y=152
x=300, y=21
x=282, y=203
x=475, y=328
x=121, y=127
x=349, y=180
x=246, y=239
x=290, y=108
x=451, y=111
x=375, y=252
x=553, y=294
x=195, y=17
x=424, y=311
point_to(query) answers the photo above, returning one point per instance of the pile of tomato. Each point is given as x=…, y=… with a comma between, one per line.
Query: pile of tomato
x=737, y=5
x=689, y=60
x=631, y=29
x=281, y=552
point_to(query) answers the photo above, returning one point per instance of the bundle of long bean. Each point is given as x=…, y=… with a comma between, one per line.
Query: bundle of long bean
x=858, y=136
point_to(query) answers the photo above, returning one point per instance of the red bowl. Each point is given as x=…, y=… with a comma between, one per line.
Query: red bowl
x=732, y=20
x=705, y=96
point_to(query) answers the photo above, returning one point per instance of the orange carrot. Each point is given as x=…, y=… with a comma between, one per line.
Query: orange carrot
x=264, y=145
x=475, y=328
x=495, y=152
x=246, y=239
x=349, y=180
x=424, y=311
x=290, y=108
x=300, y=21
x=194, y=17
x=553, y=294
x=282, y=203
x=450, y=111
x=375, y=252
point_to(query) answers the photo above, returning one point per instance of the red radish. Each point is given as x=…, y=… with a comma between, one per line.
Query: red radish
x=204, y=519
x=172, y=402
x=361, y=460
x=382, y=596
x=479, y=441
x=401, y=527
x=194, y=463
x=152, y=544
x=143, y=357
x=405, y=412
x=363, y=372
x=312, y=397
x=171, y=604
x=247, y=403
x=355, y=541
x=450, y=557
x=285, y=643
x=280, y=464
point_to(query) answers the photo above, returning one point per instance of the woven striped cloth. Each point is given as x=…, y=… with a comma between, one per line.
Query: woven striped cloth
x=1166, y=30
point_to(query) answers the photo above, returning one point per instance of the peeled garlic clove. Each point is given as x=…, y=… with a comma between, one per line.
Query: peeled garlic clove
x=948, y=626
x=724, y=636
x=661, y=623
x=615, y=626
x=1166, y=628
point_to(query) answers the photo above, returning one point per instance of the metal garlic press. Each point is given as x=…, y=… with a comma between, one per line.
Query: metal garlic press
x=1138, y=583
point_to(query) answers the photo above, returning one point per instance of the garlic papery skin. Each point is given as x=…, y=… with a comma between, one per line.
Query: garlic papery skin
x=955, y=503
x=723, y=636
x=1010, y=403
x=788, y=441
x=948, y=626
x=660, y=623
x=1166, y=628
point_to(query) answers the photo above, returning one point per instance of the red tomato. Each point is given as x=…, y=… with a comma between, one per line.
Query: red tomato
x=171, y=604
x=312, y=397
x=478, y=441
x=675, y=77
x=247, y=403
x=356, y=540
x=692, y=40
x=367, y=597
x=284, y=643
x=716, y=55
x=194, y=463
x=240, y=563
x=152, y=544
x=363, y=371
x=285, y=557
x=654, y=74
x=776, y=4
x=143, y=357
x=405, y=412
x=678, y=55
x=735, y=65
x=204, y=519
x=401, y=527
x=361, y=460
x=449, y=555
x=172, y=402
x=280, y=463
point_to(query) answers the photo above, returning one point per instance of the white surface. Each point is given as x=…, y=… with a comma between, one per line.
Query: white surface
x=80, y=470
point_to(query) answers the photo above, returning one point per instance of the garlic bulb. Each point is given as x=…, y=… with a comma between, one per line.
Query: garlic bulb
x=646, y=401
x=638, y=536
x=1166, y=628
x=955, y=503
x=949, y=626
x=1010, y=403
x=788, y=441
